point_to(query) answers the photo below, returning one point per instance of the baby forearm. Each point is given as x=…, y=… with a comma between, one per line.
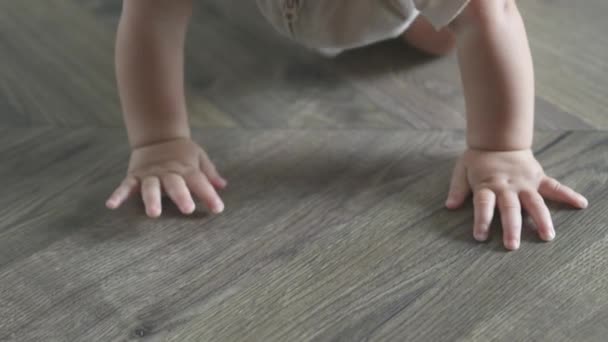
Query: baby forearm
x=497, y=75
x=149, y=69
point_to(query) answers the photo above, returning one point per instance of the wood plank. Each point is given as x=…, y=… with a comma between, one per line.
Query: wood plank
x=58, y=69
x=335, y=227
x=57, y=65
x=570, y=49
x=337, y=234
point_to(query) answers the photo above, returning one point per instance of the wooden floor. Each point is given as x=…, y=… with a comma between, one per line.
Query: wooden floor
x=335, y=227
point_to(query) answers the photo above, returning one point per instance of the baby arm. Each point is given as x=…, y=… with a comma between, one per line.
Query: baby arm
x=149, y=69
x=499, y=166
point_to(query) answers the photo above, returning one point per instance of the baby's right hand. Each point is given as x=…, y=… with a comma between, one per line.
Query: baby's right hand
x=177, y=167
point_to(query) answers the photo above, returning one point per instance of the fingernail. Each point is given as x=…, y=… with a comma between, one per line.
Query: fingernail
x=218, y=208
x=221, y=182
x=512, y=244
x=481, y=237
x=190, y=207
x=551, y=235
x=154, y=212
x=583, y=202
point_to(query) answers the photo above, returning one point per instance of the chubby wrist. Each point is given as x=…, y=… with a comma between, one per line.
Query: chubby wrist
x=502, y=137
x=498, y=143
x=150, y=138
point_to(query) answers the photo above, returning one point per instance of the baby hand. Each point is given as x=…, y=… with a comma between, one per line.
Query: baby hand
x=508, y=180
x=178, y=167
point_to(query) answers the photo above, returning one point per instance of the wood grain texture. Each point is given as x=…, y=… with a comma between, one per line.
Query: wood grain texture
x=335, y=228
x=329, y=235
x=57, y=69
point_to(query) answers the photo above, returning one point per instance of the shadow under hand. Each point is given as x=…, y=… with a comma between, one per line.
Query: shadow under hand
x=332, y=173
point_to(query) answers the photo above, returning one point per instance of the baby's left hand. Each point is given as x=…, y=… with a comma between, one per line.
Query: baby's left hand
x=508, y=180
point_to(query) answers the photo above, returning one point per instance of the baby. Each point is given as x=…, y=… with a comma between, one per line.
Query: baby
x=498, y=167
